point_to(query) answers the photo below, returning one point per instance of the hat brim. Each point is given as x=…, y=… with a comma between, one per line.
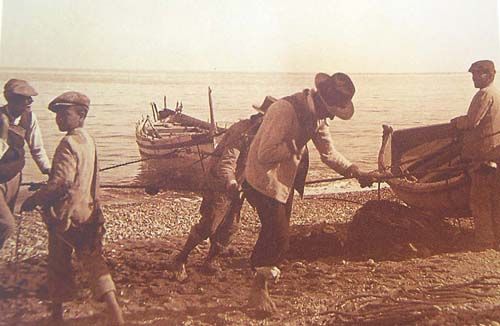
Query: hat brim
x=54, y=107
x=344, y=113
x=25, y=91
x=268, y=101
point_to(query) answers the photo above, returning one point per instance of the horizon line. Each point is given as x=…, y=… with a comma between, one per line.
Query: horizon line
x=211, y=71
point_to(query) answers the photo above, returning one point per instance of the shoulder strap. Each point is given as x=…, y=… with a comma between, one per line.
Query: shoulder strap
x=305, y=117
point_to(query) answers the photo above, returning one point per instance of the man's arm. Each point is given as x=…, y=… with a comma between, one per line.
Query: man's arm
x=61, y=177
x=4, y=133
x=35, y=143
x=478, y=108
x=329, y=155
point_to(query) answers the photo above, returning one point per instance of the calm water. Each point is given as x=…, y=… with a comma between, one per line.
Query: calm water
x=119, y=99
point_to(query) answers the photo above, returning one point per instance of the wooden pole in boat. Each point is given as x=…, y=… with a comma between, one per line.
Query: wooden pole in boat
x=212, y=119
x=154, y=113
x=164, y=101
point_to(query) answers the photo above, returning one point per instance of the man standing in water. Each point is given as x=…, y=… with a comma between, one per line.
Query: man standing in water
x=18, y=116
x=71, y=209
x=481, y=147
x=279, y=146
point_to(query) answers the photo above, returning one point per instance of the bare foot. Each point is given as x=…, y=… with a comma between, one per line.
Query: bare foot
x=178, y=270
x=210, y=267
x=259, y=298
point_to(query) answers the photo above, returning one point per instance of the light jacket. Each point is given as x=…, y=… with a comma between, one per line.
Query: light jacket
x=271, y=166
x=481, y=126
x=73, y=169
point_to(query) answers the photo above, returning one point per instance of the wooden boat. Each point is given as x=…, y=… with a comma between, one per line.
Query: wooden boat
x=433, y=177
x=175, y=145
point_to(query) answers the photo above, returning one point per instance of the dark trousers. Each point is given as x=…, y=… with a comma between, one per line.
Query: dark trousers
x=274, y=216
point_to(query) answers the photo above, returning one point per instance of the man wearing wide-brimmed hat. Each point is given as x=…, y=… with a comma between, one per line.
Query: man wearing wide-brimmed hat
x=481, y=147
x=273, y=169
x=71, y=210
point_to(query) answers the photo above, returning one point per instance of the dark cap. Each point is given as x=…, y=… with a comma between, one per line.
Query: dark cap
x=19, y=87
x=68, y=99
x=486, y=66
x=336, y=92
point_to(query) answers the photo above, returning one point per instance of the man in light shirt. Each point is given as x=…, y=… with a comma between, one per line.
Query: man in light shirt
x=19, y=95
x=11, y=164
x=480, y=128
x=17, y=122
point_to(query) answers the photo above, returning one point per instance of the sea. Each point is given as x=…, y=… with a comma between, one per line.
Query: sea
x=120, y=98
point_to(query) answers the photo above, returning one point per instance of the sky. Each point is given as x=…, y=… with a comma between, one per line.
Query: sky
x=366, y=36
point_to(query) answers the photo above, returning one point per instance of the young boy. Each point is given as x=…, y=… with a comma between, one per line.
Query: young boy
x=71, y=209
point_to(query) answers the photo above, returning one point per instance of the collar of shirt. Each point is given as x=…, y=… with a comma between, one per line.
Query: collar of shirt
x=11, y=119
x=312, y=106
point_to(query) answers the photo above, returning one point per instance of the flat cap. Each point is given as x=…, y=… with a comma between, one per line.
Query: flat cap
x=69, y=99
x=19, y=87
x=483, y=66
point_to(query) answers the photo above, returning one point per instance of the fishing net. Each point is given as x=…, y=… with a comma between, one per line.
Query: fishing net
x=389, y=230
x=402, y=306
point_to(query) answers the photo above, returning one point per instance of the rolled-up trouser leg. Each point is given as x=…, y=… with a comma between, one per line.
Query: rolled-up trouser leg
x=8, y=195
x=191, y=242
x=61, y=282
x=213, y=210
x=229, y=226
x=97, y=270
x=482, y=208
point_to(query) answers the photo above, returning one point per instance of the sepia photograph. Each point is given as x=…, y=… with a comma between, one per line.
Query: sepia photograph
x=230, y=162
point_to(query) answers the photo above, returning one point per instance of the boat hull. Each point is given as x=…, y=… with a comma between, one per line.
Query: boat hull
x=175, y=156
x=432, y=154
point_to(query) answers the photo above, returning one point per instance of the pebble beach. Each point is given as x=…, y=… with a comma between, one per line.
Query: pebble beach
x=321, y=283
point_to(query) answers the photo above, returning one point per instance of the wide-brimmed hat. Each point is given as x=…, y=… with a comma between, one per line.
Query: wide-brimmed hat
x=68, y=99
x=268, y=100
x=336, y=92
x=19, y=87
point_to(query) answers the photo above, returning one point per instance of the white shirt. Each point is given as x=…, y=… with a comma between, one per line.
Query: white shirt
x=3, y=147
x=33, y=137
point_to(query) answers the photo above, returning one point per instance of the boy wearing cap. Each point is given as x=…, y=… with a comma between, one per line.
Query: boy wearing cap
x=480, y=128
x=19, y=95
x=71, y=209
x=273, y=168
